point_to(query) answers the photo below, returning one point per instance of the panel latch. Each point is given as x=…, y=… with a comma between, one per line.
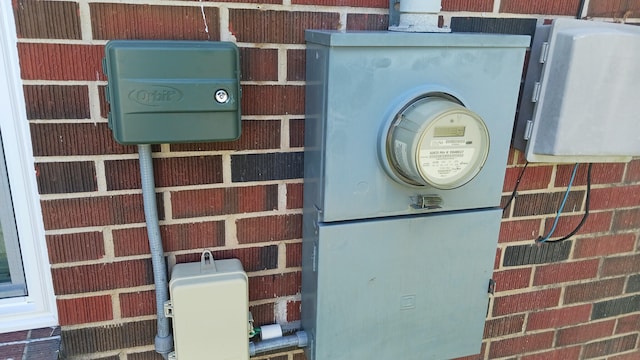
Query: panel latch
x=492, y=286
x=427, y=202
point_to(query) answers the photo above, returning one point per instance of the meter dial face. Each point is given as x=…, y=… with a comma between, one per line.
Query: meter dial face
x=437, y=142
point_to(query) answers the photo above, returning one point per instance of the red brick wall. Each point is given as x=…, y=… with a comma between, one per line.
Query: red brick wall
x=577, y=299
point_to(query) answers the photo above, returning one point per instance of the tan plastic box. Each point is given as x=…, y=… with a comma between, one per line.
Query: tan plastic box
x=209, y=306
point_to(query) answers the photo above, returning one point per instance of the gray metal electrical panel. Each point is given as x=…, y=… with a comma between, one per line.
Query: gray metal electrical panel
x=406, y=141
x=580, y=97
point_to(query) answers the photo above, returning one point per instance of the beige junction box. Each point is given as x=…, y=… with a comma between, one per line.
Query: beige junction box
x=209, y=307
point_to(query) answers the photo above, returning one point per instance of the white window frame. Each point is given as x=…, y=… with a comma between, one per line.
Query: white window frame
x=38, y=308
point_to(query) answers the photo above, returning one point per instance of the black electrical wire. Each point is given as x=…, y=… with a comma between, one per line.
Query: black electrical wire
x=586, y=207
x=586, y=210
x=515, y=188
x=581, y=9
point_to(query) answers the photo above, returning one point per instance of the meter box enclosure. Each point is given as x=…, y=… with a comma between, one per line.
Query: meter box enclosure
x=377, y=100
x=209, y=309
x=406, y=142
x=579, y=100
x=172, y=91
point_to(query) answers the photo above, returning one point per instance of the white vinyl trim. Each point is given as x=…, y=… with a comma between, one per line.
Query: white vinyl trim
x=38, y=308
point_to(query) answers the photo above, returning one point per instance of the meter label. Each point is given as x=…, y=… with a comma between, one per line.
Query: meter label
x=445, y=163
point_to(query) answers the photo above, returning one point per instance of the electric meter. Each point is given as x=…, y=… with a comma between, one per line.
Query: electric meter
x=435, y=141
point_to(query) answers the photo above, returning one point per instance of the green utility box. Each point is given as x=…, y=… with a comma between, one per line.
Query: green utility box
x=173, y=91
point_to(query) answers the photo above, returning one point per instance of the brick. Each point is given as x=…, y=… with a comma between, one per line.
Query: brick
x=57, y=102
x=84, y=310
x=521, y=345
x=148, y=355
x=174, y=171
x=40, y=61
x=497, y=259
x=521, y=302
x=467, y=5
x=259, y=64
x=519, y=230
x=270, y=228
x=617, y=9
x=356, y=3
x=89, y=340
x=264, y=167
x=596, y=222
x=75, y=139
x=621, y=265
x=615, y=197
x=299, y=356
x=547, y=203
x=12, y=351
x=252, y=259
x=633, y=171
x=126, y=21
x=296, y=133
x=210, y=202
x=604, y=245
x=138, y=303
x=272, y=99
x=75, y=247
x=46, y=332
x=175, y=237
x=609, y=173
x=557, y=354
x=14, y=336
x=294, y=255
x=367, y=22
x=556, y=318
x=66, y=177
x=536, y=253
x=594, y=290
x=628, y=356
x=512, y=279
x=608, y=347
x=263, y=314
x=99, y=277
x=294, y=196
x=503, y=326
x=280, y=27
x=47, y=20
x=296, y=65
x=535, y=177
x=546, y=7
x=584, y=333
x=564, y=272
x=293, y=311
x=273, y=286
x=93, y=211
x=615, y=307
x=633, y=284
x=626, y=219
x=628, y=324
x=256, y=134
x=41, y=350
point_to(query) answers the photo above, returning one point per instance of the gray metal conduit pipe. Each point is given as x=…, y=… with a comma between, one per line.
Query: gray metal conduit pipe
x=298, y=339
x=164, y=338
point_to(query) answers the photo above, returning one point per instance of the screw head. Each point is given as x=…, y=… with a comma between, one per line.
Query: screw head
x=222, y=96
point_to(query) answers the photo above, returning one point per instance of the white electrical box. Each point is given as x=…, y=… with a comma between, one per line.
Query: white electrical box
x=209, y=308
x=579, y=102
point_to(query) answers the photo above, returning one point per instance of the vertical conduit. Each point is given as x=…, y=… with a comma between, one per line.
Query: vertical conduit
x=164, y=339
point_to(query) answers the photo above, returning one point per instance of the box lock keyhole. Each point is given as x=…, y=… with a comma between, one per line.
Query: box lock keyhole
x=222, y=96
